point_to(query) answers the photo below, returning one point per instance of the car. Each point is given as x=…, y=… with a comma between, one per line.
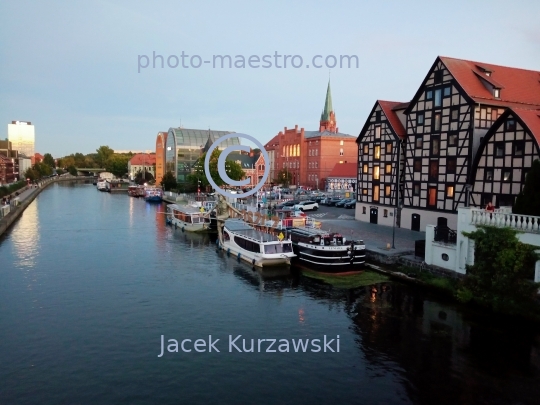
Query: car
x=332, y=200
x=290, y=203
x=351, y=204
x=342, y=203
x=307, y=205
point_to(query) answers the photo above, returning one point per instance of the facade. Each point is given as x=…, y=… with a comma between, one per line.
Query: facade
x=381, y=158
x=310, y=156
x=25, y=163
x=7, y=151
x=342, y=178
x=161, y=140
x=142, y=162
x=7, y=175
x=252, y=164
x=185, y=146
x=22, y=137
x=271, y=148
x=448, y=122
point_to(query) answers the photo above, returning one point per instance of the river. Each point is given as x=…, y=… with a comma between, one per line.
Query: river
x=90, y=281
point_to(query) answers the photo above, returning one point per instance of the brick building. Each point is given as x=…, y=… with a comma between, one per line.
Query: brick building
x=310, y=156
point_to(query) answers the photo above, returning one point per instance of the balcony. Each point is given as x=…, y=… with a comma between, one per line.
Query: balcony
x=445, y=235
x=504, y=218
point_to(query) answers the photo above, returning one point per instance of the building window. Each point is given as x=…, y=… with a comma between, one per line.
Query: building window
x=451, y=165
x=341, y=143
x=389, y=147
x=417, y=165
x=447, y=91
x=433, y=170
x=310, y=152
x=489, y=175
x=429, y=95
x=378, y=116
x=366, y=149
x=377, y=154
x=365, y=168
x=507, y=175
x=420, y=119
x=416, y=189
x=435, y=146
x=510, y=124
x=450, y=191
x=497, y=93
x=364, y=192
x=378, y=132
x=363, y=210
x=519, y=147
x=437, y=77
x=376, y=173
x=387, y=191
x=454, y=114
x=341, y=152
x=418, y=142
x=432, y=196
x=499, y=149
x=437, y=121
x=452, y=139
x=388, y=169
x=438, y=98
x=385, y=213
x=376, y=192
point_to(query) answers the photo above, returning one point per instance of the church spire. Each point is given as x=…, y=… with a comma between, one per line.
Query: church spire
x=328, y=119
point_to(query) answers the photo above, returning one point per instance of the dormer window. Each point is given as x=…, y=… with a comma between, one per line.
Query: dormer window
x=484, y=70
x=496, y=92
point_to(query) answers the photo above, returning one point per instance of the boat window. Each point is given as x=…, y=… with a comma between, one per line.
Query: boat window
x=327, y=241
x=316, y=239
x=278, y=248
x=247, y=244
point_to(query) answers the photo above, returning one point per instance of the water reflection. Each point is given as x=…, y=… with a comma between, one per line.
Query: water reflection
x=27, y=235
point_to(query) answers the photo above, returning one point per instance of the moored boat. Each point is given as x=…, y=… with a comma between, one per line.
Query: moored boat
x=153, y=194
x=325, y=251
x=136, y=191
x=190, y=219
x=102, y=185
x=258, y=248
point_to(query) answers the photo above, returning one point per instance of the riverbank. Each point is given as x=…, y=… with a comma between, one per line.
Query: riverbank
x=26, y=196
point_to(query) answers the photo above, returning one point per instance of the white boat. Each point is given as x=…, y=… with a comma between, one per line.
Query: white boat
x=103, y=185
x=190, y=219
x=255, y=247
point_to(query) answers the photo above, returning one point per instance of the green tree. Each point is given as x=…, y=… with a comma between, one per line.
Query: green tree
x=49, y=160
x=528, y=200
x=168, y=181
x=103, y=153
x=501, y=277
x=284, y=177
x=147, y=177
x=72, y=170
x=117, y=164
x=233, y=170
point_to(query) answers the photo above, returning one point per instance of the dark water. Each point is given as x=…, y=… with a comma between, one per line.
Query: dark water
x=89, y=282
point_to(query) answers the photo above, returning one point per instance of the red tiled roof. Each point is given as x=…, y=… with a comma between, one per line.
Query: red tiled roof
x=388, y=109
x=518, y=86
x=346, y=170
x=143, y=159
x=532, y=119
x=270, y=144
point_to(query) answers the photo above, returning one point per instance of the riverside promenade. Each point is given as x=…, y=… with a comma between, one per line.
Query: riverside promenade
x=27, y=195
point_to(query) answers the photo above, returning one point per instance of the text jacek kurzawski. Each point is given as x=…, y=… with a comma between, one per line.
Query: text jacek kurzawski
x=238, y=344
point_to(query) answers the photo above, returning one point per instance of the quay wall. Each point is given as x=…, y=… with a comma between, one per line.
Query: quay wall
x=17, y=211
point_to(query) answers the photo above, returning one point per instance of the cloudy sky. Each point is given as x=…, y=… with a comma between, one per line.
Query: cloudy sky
x=74, y=68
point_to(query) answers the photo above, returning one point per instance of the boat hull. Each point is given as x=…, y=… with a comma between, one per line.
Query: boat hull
x=255, y=259
x=329, y=259
x=154, y=198
x=189, y=227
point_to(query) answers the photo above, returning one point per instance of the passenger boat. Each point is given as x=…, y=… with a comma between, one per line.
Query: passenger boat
x=190, y=219
x=136, y=191
x=325, y=251
x=102, y=185
x=153, y=194
x=258, y=248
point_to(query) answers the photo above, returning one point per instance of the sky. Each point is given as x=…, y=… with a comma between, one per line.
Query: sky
x=76, y=69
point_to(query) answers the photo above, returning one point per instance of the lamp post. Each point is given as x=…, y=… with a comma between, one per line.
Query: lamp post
x=394, y=230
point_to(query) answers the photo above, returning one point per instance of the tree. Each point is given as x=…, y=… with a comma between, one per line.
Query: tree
x=103, y=153
x=168, y=181
x=284, y=177
x=528, y=200
x=49, y=160
x=501, y=277
x=117, y=164
x=147, y=177
x=72, y=170
x=67, y=162
x=233, y=170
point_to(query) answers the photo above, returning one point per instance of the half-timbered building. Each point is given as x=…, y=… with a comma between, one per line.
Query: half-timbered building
x=380, y=156
x=505, y=156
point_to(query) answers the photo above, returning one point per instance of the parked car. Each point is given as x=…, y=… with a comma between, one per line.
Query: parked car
x=307, y=205
x=342, y=203
x=290, y=203
x=351, y=204
x=332, y=200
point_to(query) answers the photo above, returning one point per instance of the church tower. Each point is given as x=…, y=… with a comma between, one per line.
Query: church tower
x=328, y=118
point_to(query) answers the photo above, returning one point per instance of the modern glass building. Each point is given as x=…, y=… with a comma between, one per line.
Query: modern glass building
x=185, y=146
x=22, y=137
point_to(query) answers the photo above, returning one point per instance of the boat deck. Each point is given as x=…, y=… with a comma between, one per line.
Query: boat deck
x=185, y=209
x=239, y=227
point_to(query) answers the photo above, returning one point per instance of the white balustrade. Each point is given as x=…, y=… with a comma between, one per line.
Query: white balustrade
x=502, y=218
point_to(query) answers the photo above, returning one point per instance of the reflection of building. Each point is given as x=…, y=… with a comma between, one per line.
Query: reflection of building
x=160, y=155
x=185, y=146
x=472, y=132
x=252, y=164
x=22, y=136
x=142, y=162
x=342, y=178
x=310, y=156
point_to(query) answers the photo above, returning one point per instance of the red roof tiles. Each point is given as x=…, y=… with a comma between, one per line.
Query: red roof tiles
x=143, y=159
x=389, y=108
x=531, y=118
x=345, y=170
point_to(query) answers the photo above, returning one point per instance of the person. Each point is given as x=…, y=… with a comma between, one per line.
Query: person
x=490, y=207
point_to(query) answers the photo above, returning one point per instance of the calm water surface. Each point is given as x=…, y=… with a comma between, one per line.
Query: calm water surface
x=90, y=281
